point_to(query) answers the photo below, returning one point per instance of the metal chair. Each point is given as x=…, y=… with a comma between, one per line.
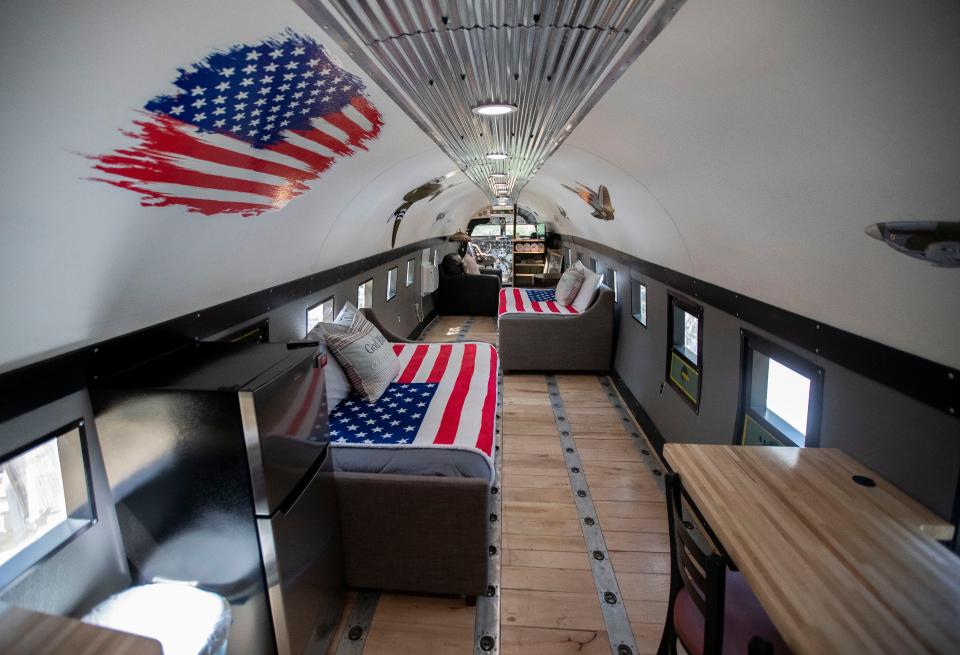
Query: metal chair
x=712, y=610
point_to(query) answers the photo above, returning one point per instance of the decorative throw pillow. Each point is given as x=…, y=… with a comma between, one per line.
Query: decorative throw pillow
x=568, y=286
x=334, y=379
x=588, y=290
x=365, y=354
x=470, y=266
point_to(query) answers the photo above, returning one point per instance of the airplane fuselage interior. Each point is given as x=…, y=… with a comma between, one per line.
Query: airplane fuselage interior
x=480, y=327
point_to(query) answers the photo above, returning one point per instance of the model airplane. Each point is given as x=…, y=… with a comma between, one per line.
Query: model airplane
x=937, y=242
x=429, y=190
x=599, y=200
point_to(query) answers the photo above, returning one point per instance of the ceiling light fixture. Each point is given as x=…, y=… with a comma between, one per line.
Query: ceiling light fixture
x=501, y=201
x=496, y=156
x=494, y=109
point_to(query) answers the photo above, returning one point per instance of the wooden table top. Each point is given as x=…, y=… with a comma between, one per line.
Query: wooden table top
x=839, y=567
x=24, y=632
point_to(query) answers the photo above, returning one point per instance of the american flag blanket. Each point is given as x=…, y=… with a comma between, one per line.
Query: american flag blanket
x=436, y=418
x=514, y=300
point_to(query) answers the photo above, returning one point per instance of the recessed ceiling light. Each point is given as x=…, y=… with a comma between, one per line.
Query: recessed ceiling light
x=501, y=201
x=496, y=155
x=494, y=109
x=498, y=176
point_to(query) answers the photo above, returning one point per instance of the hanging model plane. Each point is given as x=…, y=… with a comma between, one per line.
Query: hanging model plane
x=599, y=200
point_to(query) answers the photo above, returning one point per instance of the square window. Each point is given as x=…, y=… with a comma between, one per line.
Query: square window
x=365, y=294
x=411, y=271
x=568, y=257
x=392, y=283
x=638, y=299
x=612, y=279
x=788, y=395
x=580, y=257
x=780, y=396
x=44, y=500
x=594, y=265
x=684, y=354
x=320, y=313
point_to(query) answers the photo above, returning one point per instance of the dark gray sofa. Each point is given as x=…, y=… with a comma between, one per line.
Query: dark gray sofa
x=459, y=294
x=559, y=342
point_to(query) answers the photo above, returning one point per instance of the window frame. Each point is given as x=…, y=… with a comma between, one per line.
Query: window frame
x=613, y=282
x=568, y=256
x=395, y=270
x=646, y=293
x=595, y=265
x=411, y=274
x=58, y=537
x=306, y=314
x=751, y=342
x=372, y=289
x=675, y=301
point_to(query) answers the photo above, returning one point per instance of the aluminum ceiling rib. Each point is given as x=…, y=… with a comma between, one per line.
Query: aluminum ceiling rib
x=438, y=59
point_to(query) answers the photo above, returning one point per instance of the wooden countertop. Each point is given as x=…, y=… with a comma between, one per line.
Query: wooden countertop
x=23, y=632
x=839, y=567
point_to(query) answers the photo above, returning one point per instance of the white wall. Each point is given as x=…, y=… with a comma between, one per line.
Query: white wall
x=749, y=146
x=81, y=260
x=753, y=142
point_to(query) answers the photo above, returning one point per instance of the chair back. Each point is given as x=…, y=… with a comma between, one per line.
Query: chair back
x=698, y=567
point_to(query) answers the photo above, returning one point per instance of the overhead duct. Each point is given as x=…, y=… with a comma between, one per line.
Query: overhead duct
x=441, y=61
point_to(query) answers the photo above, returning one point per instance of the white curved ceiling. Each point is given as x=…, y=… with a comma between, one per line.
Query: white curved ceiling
x=753, y=142
x=749, y=145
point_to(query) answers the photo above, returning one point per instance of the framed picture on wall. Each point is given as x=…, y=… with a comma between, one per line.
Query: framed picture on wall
x=554, y=262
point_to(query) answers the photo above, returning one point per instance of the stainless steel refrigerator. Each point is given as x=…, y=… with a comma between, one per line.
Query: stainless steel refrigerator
x=218, y=463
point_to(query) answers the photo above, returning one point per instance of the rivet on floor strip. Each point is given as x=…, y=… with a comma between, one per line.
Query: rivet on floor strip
x=615, y=618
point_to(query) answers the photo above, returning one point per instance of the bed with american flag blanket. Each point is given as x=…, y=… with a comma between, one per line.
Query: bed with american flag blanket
x=436, y=418
x=515, y=300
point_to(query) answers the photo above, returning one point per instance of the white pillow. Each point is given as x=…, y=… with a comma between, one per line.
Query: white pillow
x=365, y=354
x=588, y=290
x=470, y=266
x=334, y=379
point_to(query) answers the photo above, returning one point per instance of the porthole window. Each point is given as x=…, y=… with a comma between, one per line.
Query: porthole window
x=45, y=499
x=638, y=301
x=781, y=394
x=684, y=349
x=392, y=283
x=320, y=313
x=365, y=294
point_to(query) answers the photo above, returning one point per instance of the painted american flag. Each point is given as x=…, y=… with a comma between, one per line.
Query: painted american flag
x=514, y=300
x=248, y=130
x=445, y=396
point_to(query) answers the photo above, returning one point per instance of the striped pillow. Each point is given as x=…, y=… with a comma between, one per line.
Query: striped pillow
x=364, y=353
x=568, y=286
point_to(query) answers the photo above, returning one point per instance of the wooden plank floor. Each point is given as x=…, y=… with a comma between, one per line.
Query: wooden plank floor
x=549, y=602
x=462, y=328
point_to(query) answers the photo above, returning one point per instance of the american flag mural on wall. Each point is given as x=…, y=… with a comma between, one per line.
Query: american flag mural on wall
x=247, y=132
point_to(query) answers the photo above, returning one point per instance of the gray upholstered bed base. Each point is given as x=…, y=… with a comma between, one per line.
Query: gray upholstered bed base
x=414, y=533
x=554, y=342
